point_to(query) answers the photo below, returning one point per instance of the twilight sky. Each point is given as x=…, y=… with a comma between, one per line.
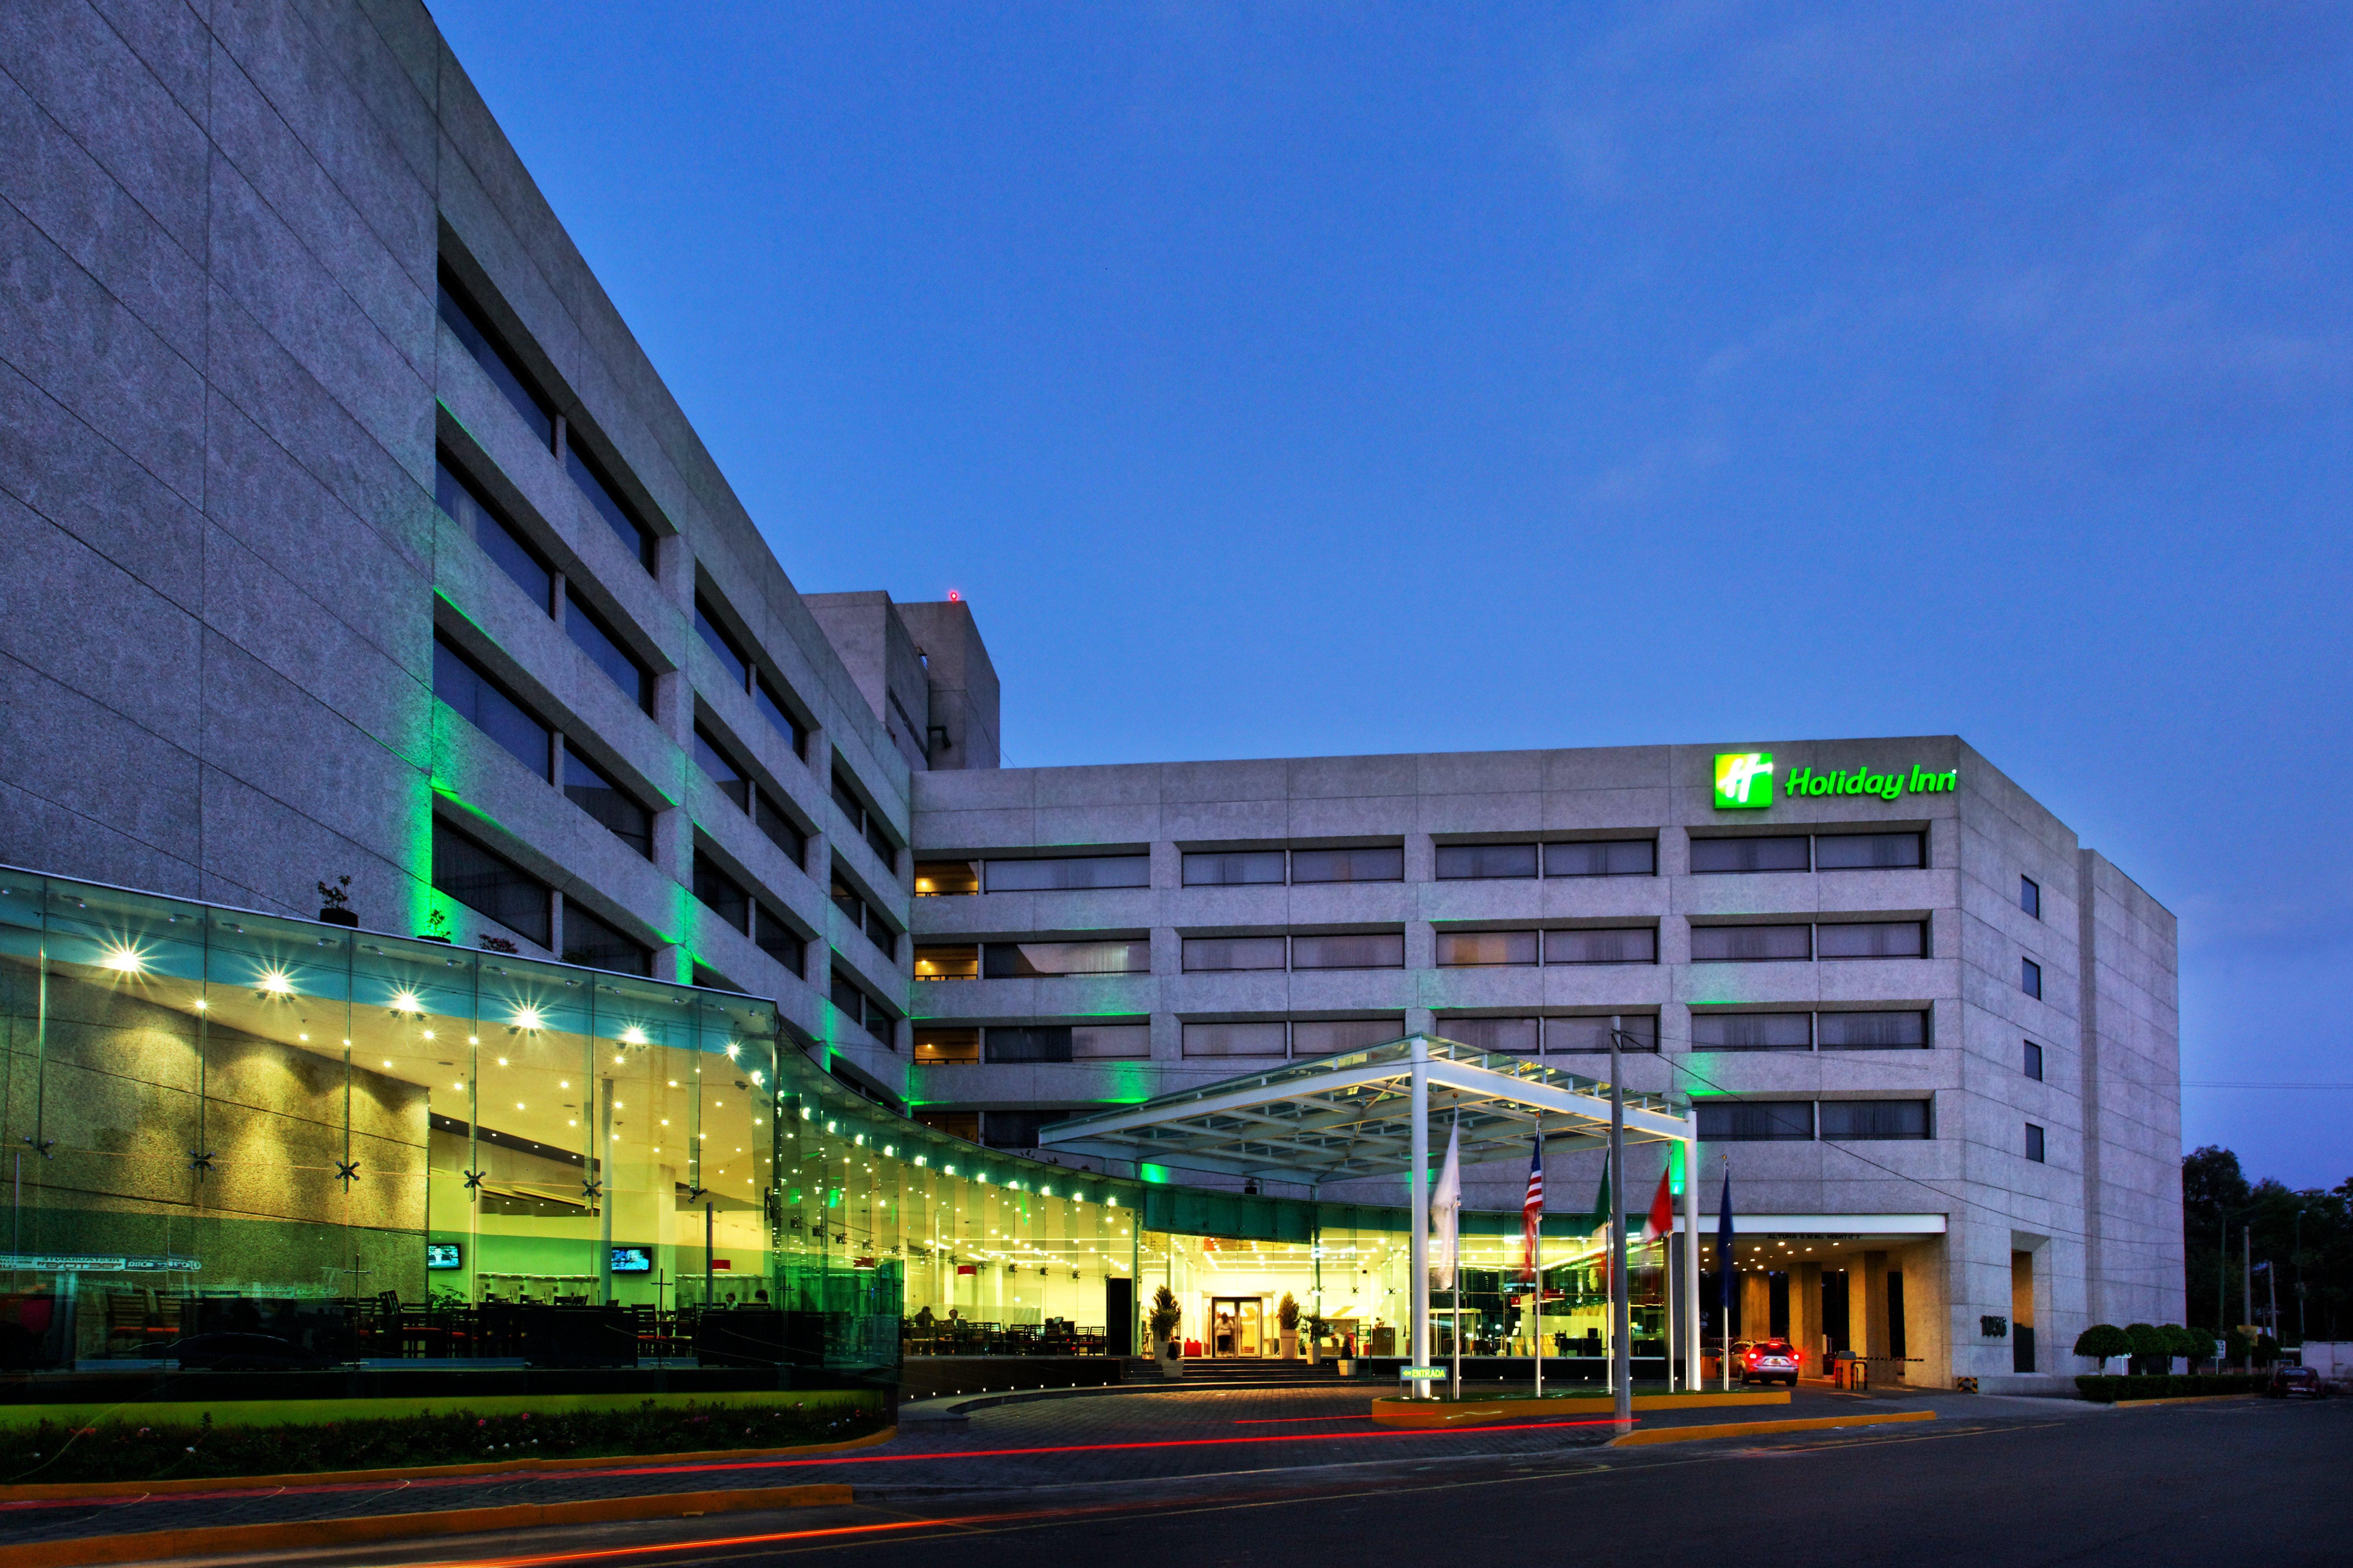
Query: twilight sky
x=1288, y=379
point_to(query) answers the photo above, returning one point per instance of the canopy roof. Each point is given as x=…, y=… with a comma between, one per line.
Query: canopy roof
x=1345, y=1117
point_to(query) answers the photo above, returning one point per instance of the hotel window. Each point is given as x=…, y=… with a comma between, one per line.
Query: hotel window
x=1502, y=1036
x=2031, y=1061
x=712, y=756
x=1329, y=1036
x=491, y=885
x=1750, y=944
x=1023, y=1043
x=779, y=717
x=1905, y=1030
x=1253, y=1039
x=488, y=527
x=1864, y=1121
x=1458, y=862
x=1110, y=1042
x=595, y=482
x=1055, y=959
x=1638, y=1032
x=945, y=1047
x=2035, y=1150
x=864, y=916
x=1019, y=1128
x=946, y=878
x=481, y=701
x=866, y=822
x=1376, y=865
x=594, y=638
x=593, y=944
x=1486, y=948
x=1070, y=873
x=1614, y=944
x=1732, y=855
x=1214, y=953
x=1752, y=1031
x=722, y=646
x=466, y=323
x=776, y=937
x=1363, y=950
x=589, y=789
x=1757, y=1121
x=1237, y=868
x=2030, y=977
x=781, y=830
x=1872, y=939
x=963, y=1124
x=957, y=962
x=1603, y=857
x=708, y=979
x=850, y=999
x=1869, y=851
x=2029, y=896
x=721, y=893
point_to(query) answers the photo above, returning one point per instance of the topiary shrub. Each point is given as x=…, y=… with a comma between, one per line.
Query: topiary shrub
x=2152, y=1348
x=2102, y=1341
x=2190, y=1344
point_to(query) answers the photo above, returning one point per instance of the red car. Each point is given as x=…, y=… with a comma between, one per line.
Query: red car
x=2288, y=1381
x=1769, y=1360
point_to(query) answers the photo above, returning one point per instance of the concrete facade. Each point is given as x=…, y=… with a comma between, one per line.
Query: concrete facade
x=2096, y=1216
x=228, y=387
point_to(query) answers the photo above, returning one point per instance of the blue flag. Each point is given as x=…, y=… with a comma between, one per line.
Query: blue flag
x=1723, y=1251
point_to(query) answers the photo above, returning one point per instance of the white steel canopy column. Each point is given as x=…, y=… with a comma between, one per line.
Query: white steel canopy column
x=1417, y=1202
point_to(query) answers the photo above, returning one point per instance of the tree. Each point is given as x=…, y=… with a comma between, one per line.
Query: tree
x=1286, y=1313
x=2152, y=1347
x=2188, y=1343
x=2102, y=1341
x=1166, y=1315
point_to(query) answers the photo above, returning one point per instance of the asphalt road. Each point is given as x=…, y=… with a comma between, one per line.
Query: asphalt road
x=2001, y=1482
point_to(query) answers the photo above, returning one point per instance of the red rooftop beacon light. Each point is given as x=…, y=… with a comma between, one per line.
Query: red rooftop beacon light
x=955, y=597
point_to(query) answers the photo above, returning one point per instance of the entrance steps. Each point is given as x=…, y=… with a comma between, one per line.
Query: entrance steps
x=1202, y=1371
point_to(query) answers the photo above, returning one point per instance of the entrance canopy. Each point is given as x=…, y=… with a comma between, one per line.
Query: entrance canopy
x=1346, y=1117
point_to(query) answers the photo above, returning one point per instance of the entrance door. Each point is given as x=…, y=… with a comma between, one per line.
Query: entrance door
x=1235, y=1322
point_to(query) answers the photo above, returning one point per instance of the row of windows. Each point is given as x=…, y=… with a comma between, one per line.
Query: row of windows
x=1456, y=862
x=490, y=885
x=591, y=473
x=745, y=912
x=1026, y=1043
x=479, y=698
x=864, y=820
x=864, y=916
x=1804, y=1120
x=862, y=1007
x=1386, y=950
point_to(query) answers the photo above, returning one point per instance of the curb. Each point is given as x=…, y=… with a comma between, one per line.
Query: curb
x=1410, y=1415
x=44, y=1492
x=1763, y=1428
x=296, y=1535
x=2177, y=1399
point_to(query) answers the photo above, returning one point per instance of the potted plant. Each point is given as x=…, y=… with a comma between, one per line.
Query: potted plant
x=1166, y=1315
x=1317, y=1327
x=437, y=928
x=1286, y=1318
x=334, y=903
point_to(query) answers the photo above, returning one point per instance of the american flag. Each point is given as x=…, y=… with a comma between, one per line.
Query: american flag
x=1532, y=1218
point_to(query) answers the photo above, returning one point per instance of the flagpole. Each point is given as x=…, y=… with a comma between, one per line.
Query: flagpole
x=1726, y=1248
x=1622, y=1358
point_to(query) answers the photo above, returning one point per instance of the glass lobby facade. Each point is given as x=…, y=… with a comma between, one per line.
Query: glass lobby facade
x=387, y=1148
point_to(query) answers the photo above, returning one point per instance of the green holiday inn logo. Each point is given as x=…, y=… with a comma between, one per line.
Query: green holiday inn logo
x=1743, y=782
x=1743, y=779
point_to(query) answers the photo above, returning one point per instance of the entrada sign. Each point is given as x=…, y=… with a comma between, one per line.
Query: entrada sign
x=1743, y=782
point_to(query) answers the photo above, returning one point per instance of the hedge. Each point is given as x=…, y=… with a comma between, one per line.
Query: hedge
x=118, y=1452
x=2108, y=1390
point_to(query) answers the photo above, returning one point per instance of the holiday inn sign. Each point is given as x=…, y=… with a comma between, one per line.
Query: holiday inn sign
x=1743, y=782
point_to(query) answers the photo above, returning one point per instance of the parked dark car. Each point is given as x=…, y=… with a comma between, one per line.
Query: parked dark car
x=2288, y=1381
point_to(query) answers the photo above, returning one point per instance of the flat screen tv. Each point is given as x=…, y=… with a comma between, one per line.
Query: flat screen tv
x=444, y=1255
x=632, y=1260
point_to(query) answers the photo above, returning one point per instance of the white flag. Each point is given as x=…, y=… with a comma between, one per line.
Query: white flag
x=1445, y=1212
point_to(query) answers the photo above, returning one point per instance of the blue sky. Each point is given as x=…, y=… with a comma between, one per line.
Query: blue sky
x=1281, y=380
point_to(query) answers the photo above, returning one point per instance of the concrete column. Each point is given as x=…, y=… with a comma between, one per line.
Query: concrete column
x=1806, y=1314
x=1869, y=1316
x=1418, y=1212
x=1755, y=1306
